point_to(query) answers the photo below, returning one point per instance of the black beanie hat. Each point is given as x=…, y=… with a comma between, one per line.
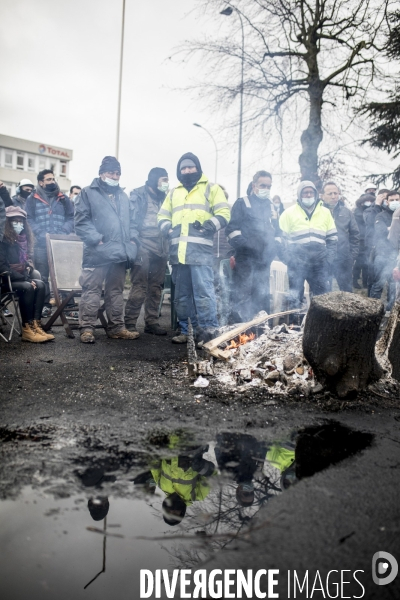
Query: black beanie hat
x=109, y=163
x=196, y=161
x=154, y=175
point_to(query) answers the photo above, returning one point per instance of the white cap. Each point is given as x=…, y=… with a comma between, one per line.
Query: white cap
x=26, y=182
x=370, y=186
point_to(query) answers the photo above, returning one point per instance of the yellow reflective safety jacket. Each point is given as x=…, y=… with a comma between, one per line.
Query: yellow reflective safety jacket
x=188, y=484
x=309, y=236
x=280, y=457
x=205, y=202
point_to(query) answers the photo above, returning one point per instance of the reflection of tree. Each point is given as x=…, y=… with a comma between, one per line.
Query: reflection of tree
x=217, y=521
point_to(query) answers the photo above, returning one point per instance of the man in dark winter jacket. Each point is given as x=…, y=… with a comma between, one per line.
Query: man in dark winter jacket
x=103, y=221
x=148, y=272
x=310, y=233
x=4, y=195
x=189, y=217
x=24, y=189
x=254, y=235
x=348, y=237
x=370, y=215
x=384, y=251
x=49, y=211
x=361, y=263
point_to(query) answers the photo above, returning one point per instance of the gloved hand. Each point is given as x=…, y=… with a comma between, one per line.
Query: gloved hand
x=207, y=228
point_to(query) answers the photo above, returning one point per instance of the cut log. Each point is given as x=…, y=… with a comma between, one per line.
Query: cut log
x=389, y=344
x=339, y=341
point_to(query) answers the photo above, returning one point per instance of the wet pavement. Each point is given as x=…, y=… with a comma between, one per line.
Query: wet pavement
x=92, y=437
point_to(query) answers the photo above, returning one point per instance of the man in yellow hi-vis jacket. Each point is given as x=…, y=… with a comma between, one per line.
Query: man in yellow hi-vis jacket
x=189, y=217
x=311, y=237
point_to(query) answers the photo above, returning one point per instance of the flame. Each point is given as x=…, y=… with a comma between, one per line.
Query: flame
x=243, y=339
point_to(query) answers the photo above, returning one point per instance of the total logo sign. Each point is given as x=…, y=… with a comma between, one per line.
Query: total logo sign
x=53, y=151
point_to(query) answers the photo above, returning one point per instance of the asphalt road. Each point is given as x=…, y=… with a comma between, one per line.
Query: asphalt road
x=65, y=403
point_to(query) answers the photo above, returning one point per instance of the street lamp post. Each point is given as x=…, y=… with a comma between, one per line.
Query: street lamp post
x=121, y=62
x=216, y=148
x=227, y=12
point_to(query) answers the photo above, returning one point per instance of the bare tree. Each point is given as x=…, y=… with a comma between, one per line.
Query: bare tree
x=321, y=52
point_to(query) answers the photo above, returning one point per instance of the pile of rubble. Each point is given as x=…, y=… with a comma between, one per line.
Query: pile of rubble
x=274, y=360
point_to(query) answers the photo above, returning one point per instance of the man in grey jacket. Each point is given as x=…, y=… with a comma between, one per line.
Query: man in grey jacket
x=148, y=272
x=103, y=221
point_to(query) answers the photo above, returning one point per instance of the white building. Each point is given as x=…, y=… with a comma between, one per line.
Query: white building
x=20, y=159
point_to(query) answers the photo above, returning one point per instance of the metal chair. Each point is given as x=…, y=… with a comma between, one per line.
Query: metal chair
x=8, y=297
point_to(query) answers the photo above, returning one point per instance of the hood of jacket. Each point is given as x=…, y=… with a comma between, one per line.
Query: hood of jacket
x=192, y=157
x=364, y=198
x=302, y=185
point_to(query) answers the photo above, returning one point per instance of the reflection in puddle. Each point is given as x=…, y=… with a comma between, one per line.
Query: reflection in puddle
x=182, y=506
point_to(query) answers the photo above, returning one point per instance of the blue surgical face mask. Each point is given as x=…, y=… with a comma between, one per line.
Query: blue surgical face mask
x=394, y=205
x=308, y=202
x=367, y=204
x=263, y=193
x=18, y=227
x=111, y=182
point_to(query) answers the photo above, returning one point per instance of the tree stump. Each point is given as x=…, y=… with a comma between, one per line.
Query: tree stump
x=389, y=344
x=339, y=341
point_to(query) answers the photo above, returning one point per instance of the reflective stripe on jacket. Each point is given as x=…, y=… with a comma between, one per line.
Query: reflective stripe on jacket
x=180, y=210
x=173, y=479
x=299, y=227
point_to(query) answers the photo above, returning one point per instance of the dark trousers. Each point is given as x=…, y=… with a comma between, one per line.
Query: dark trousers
x=342, y=272
x=251, y=288
x=31, y=300
x=383, y=268
x=91, y=281
x=314, y=272
x=147, y=282
x=361, y=267
x=42, y=265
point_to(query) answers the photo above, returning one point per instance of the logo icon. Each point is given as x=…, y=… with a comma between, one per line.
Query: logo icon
x=384, y=568
x=42, y=148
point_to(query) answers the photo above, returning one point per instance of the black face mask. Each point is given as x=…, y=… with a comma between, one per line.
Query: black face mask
x=50, y=187
x=189, y=180
x=25, y=193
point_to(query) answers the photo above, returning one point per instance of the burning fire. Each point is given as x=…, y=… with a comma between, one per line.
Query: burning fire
x=243, y=339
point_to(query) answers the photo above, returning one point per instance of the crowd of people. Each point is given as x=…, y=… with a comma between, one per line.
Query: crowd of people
x=193, y=227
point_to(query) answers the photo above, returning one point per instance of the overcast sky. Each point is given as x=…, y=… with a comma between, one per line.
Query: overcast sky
x=59, y=74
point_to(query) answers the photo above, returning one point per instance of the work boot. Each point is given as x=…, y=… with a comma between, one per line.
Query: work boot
x=29, y=334
x=131, y=328
x=123, y=334
x=155, y=329
x=87, y=337
x=179, y=339
x=39, y=329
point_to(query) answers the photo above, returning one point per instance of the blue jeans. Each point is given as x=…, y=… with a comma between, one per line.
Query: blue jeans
x=195, y=296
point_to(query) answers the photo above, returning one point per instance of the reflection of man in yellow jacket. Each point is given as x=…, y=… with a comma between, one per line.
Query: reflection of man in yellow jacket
x=189, y=217
x=280, y=465
x=182, y=484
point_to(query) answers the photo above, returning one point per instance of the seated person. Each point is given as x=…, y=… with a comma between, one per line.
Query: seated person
x=16, y=252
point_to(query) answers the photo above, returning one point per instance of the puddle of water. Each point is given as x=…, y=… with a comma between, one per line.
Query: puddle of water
x=183, y=506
